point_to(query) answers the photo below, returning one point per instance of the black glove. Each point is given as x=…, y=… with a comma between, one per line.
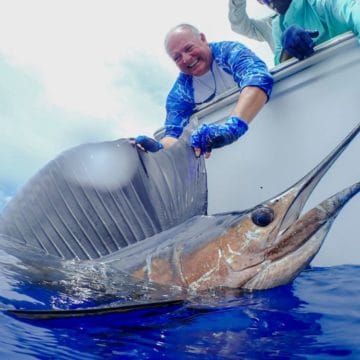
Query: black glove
x=298, y=42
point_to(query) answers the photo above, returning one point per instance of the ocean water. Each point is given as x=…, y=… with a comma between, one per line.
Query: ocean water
x=315, y=317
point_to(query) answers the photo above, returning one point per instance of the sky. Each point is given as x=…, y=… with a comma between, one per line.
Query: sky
x=90, y=70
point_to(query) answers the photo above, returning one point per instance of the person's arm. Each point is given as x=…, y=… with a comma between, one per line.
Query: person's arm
x=241, y=23
x=255, y=82
x=250, y=102
x=276, y=34
x=168, y=141
x=346, y=12
x=208, y=137
x=248, y=71
x=179, y=108
x=284, y=56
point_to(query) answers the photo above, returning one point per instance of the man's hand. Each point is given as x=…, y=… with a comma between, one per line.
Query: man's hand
x=212, y=136
x=297, y=41
x=168, y=141
x=146, y=143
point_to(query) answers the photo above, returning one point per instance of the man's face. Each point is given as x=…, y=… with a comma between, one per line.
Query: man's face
x=191, y=53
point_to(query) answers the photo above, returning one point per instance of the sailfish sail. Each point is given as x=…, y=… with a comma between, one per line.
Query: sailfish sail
x=97, y=198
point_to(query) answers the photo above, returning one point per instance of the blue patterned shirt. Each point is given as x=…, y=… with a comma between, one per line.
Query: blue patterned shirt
x=234, y=59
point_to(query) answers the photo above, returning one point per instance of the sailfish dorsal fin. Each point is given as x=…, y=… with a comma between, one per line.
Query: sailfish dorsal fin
x=96, y=198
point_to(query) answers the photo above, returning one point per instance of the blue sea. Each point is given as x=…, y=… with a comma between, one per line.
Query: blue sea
x=317, y=316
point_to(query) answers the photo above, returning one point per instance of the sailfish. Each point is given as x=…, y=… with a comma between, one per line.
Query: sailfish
x=145, y=214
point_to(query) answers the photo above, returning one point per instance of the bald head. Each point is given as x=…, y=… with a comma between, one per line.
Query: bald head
x=188, y=48
x=181, y=28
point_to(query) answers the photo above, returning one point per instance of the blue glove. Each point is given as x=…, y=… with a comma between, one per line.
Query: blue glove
x=211, y=136
x=298, y=41
x=148, y=143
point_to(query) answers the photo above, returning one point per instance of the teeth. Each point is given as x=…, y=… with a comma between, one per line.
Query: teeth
x=193, y=64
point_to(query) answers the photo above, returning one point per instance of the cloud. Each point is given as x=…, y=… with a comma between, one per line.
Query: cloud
x=143, y=85
x=74, y=72
x=32, y=130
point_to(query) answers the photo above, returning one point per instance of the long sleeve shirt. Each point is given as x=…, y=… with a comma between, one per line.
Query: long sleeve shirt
x=233, y=65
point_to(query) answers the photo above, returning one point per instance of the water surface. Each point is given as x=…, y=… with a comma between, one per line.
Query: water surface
x=315, y=317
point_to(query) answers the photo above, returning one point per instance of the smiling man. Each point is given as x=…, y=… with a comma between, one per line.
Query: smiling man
x=206, y=70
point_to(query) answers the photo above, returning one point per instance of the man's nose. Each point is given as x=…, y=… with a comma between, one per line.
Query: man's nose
x=187, y=58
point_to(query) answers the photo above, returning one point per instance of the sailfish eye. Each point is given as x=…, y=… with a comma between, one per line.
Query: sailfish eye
x=262, y=216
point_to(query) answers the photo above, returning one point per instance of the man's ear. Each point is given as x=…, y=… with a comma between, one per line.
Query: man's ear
x=203, y=38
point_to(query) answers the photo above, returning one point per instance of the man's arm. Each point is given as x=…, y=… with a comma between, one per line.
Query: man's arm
x=346, y=12
x=208, y=137
x=241, y=23
x=284, y=56
x=179, y=108
x=251, y=101
x=255, y=82
x=168, y=141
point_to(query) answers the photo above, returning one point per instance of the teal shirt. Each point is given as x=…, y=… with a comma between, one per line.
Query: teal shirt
x=329, y=17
